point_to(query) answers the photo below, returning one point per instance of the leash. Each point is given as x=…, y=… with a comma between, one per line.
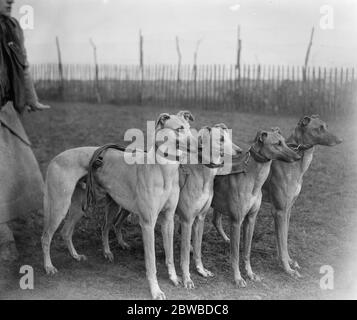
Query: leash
x=95, y=163
x=240, y=163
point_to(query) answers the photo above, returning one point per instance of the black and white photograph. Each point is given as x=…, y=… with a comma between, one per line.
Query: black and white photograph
x=184, y=150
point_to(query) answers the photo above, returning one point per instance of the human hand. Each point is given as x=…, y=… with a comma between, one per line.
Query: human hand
x=37, y=107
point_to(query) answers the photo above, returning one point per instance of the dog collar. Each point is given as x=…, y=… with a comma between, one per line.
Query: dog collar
x=257, y=156
x=214, y=165
x=299, y=148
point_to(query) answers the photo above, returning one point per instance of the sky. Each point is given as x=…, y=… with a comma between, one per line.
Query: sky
x=272, y=31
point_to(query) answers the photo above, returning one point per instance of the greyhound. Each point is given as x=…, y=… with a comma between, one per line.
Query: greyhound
x=284, y=183
x=144, y=189
x=239, y=195
x=196, y=192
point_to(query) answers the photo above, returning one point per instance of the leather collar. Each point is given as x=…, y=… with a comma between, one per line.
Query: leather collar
x=214, y=165
x=299, y=148
x=257, y=156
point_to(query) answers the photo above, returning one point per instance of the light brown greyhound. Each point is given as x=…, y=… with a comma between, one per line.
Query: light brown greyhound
x=144, y=189
x=196, y=192
x=239, y=195
x=284, y=183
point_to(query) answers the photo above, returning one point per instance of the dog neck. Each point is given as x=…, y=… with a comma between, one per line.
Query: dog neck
x=306, y=150
x=297, y=138
x=258, y=166
x=201, y=175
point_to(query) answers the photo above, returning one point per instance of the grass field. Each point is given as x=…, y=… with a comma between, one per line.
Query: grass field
x=322, y=231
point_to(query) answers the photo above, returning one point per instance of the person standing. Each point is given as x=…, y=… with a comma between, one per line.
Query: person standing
x=21, y=182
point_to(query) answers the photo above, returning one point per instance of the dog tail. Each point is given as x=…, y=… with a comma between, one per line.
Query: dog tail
x=95, y=163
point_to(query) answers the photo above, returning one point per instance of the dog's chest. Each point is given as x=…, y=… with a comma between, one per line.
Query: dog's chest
x=298, y=188
x=196, y=195
x=203, y=201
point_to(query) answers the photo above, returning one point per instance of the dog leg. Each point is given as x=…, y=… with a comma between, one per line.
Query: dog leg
x=280, y=220
x=67, y=233
x=293, y=263
x=167, y=230
x=74, y=215
x=217, y=222
x=56, y=205
x=235, y=239
x=248, y=230
x=186, y=229
x=148, y=231
x=111, y=212
x=198, y=227
x=123, y=214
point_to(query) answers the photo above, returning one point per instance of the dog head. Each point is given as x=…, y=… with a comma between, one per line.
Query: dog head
x=314, y=131
x=175, y=130
x=271, y=145
x=216, y=143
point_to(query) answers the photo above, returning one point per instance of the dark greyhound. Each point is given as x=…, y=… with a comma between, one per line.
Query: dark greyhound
x=284, y=183
x=239, y=195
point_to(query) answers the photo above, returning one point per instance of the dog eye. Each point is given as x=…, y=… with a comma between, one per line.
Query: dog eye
x=279, y=143
x=322, y=127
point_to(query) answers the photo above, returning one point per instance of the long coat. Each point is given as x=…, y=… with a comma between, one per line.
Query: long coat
x=21, y=182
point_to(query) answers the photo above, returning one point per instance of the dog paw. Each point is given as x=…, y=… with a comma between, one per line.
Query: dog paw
x=226, y=239
x=51, y=270
x=188, y=283
x=109, y=256
x=294, y=264
x=123, y=245
x=80, y=257
x=240, y=283
x=294, y=274
x=158, y=295
x=254, y=277
x=204, y=272
x=177, y=281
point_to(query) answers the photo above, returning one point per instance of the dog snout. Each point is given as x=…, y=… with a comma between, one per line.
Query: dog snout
x=294, y=156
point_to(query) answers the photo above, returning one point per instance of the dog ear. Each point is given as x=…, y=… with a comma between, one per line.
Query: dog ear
x=261, y=136
x=221, y=125
x=276, y=129
x=187, y=115
x=304, y=121
x=163, y=117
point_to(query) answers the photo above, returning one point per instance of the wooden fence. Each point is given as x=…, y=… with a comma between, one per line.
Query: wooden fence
x=255, y=88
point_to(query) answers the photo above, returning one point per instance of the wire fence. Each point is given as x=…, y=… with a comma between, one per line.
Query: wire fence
x=252, y=88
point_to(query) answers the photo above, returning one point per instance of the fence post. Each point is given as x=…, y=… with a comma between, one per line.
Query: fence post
x=308, y=53
x=141, y=66
x=97, y=93
x=60, y=70
x=239, y=50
